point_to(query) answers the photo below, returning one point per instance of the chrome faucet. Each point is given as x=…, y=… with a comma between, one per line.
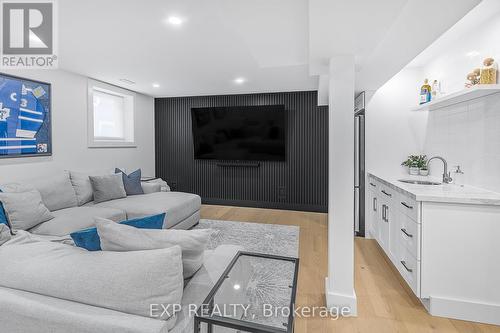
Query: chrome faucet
x=446, y=175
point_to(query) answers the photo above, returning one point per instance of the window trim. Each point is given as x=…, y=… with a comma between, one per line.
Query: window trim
x=129, y=97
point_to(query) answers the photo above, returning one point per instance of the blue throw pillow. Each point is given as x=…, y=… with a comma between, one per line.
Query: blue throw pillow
x=132, y=182
x=3, y=216
x=89, y=238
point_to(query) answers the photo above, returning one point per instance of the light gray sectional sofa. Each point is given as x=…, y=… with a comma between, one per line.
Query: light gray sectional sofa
x=68, y=196
x=27, y=305
x=88, y=294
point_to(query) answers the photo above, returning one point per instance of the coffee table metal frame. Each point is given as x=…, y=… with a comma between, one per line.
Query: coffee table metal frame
x=241, y=324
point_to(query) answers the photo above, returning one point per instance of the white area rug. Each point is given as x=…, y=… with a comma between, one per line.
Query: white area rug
x=275, y=239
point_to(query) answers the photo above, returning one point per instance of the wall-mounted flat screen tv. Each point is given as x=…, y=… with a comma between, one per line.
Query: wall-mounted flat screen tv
x=239, y=133
x=25, y=117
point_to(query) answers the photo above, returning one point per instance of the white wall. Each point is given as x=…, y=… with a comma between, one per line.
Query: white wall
x=69, y=133
x=467, y=134
x=392, y=130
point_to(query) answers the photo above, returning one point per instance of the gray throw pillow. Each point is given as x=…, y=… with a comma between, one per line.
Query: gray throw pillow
x=82, y=186
x=120, y=237
x=131, y=182
x=108, y=187
x=24, y=209
x=57, y=192
x=4, y=233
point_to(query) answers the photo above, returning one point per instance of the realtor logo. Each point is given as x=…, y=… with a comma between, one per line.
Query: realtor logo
x=28, y=30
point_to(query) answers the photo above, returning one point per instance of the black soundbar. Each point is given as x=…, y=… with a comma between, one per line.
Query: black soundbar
x=247, y=164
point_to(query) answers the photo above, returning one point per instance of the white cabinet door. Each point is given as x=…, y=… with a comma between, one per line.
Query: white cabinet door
x=384, y=225
x=372, y=213
x=394, y=216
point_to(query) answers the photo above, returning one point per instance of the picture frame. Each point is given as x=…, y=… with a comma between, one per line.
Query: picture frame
x=25, y=117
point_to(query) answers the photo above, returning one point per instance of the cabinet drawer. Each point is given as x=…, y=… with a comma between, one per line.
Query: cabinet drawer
x=387, y=193
x=408, y=206
x=409, y=235
x=409, y=267
x=373, y=184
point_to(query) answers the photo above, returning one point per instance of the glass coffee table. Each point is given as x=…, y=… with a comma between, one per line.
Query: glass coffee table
x=256, y=293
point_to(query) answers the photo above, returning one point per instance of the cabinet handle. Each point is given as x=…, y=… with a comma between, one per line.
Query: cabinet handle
x=388, y=194
x=386, y=217
x=373, y=185
x=383, y=212
x=374, y=204
x=406, y=233
x=406, y=205
x=406, y=267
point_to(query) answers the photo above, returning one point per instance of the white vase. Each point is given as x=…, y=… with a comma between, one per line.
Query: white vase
x=414, y=171
x=424, y=172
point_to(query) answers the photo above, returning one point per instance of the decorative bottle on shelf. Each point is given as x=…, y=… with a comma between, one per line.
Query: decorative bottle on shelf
x=435, y=90
x=489, y=72
x=425, y=92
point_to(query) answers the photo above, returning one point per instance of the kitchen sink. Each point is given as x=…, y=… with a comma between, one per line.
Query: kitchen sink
x=419, y=182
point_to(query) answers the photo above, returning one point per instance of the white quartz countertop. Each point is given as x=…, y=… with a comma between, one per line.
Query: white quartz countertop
x=448, y=193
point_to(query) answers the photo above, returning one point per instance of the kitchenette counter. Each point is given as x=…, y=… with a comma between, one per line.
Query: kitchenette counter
x=446, y=193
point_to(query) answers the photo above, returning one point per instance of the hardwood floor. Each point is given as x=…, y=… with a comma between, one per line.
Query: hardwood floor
x=385, y=303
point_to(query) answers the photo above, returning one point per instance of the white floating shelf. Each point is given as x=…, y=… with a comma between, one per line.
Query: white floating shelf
x=465, y=95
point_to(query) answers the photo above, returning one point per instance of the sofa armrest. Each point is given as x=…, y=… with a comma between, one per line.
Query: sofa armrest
x=150, y=187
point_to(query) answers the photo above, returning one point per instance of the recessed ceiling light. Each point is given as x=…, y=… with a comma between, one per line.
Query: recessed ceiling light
x=175, y=20
x=472, y=54
x=240, y=80
x=236, y=287
x=127, y=81
x=156, y=85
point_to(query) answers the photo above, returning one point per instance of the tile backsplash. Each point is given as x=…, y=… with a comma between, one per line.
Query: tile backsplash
x=467, y=134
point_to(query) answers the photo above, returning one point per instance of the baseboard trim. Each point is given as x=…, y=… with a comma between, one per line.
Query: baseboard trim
x=339, y=301
x=465, y=310
x=265, y=204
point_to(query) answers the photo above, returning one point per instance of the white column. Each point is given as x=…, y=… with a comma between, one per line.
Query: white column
x=339, y=286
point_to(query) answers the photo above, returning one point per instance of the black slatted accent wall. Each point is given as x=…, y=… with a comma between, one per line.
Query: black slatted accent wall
x=300, y=183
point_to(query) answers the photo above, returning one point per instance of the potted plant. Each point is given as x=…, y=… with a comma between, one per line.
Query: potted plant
x=422, y=165
x=415, y=163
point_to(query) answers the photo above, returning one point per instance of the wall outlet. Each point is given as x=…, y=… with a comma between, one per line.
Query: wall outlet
x=281, y=192
x=173, y=185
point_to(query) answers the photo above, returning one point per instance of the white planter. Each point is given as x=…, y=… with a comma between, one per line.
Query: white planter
x=414, y=171
x=424, y=172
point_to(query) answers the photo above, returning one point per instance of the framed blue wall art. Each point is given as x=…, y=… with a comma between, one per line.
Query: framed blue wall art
x=25, y=117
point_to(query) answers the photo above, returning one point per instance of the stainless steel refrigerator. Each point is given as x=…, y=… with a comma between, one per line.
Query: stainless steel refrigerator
x=359, y=165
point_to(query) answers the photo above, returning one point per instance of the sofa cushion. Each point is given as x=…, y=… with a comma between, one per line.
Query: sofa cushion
x=177, y=205
x=4, y=233
x=24, y=209
x=131, y=182
x=107, y=187
x=123, y=281
x=72, y=219
x=24, y=312
x=117, y=237
x=89, y=238
x=83, y=187
x=57, y=191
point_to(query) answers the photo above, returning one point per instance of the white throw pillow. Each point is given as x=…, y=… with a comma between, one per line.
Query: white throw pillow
x=24, y=209
x=120, y=237
x=129, y=282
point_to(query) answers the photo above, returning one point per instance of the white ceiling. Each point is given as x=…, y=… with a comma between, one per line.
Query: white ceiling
x=384, y=35
x=277, y=45
x=264, y=41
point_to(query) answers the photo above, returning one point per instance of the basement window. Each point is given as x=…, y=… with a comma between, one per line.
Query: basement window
x=110, y=116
